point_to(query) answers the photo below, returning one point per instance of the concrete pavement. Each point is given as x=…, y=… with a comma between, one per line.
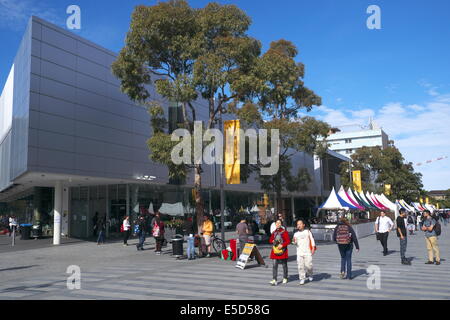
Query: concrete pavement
x=112, y=271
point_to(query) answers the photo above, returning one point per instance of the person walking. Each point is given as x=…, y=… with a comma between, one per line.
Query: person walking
x=188, y=230
x=207, y=230
x=345, y=237
x=279, y=253
x=158, y=232
x=101, y=229
x=126, y=227
x=383, y=225
x=242, y=231
x=419, y=221
x=306, y=247
x=402, y=235
x=142, y=224
x=431, y=238
x=12, y=225
x=410, y=223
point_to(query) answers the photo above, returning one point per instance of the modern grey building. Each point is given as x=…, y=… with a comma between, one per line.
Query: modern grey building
x=347, y=142
x=71, y=144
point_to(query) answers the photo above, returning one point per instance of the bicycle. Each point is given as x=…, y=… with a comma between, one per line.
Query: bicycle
x=218, y=244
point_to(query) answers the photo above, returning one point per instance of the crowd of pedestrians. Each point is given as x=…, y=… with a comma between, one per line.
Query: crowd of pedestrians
x=344, y=236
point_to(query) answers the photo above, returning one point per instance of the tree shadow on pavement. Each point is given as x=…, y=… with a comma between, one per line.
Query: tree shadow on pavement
x=19, y=268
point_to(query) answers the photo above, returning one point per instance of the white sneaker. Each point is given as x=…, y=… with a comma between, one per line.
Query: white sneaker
x=310, y=279
x=285, y=281
x=273, y=282
x=302, y=282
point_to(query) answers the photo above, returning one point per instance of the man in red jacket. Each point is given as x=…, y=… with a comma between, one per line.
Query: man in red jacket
x=279, y=254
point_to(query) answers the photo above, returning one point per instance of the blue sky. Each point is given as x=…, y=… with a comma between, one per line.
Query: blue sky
x=399, y=75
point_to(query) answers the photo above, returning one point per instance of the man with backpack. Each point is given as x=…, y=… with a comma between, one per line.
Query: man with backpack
x=432, y=230
x=402, y=235
x=383, y=225
x=345, y=237
x=410, y=224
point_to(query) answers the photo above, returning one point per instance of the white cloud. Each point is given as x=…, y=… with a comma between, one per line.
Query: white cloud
x=420, y=131
x=14, y=14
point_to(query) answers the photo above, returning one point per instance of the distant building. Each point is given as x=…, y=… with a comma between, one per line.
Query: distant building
x=346, y=142
x=439, y=194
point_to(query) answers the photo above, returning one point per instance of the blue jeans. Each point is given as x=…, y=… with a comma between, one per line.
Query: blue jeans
x=190, y=247
x=141, y=240
x=346, y=251
x=101, y=237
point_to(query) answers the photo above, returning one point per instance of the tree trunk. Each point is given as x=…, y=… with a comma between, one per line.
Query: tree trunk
x=198, y=196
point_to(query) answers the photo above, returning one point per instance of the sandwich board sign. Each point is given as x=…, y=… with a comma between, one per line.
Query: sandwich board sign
x=250, y=251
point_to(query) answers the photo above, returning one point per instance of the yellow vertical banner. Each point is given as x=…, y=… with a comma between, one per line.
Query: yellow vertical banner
x=232, y=154
x=266, y=200
x=426, y=200
x=420, y=200
x=357, y=180
x=387, y=189
x=437, y=206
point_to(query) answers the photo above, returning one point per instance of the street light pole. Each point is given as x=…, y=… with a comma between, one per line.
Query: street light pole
x=222, y=196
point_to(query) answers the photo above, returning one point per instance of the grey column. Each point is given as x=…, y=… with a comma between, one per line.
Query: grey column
x=293, y=208
x=107, y=211
x=128, y=200
x=57, y=213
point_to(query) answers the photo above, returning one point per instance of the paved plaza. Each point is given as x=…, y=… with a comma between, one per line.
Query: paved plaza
x=112, y=271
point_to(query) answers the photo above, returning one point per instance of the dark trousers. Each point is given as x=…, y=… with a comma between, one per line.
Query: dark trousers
x=242, y=241
x=346, y=251
x=403, y=244
x=283, y=262
x=159, y=243
x=384, y=240
x=126, y=235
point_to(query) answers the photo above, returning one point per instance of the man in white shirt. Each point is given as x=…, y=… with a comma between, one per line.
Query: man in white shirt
x=12, y=225
x=383, y=225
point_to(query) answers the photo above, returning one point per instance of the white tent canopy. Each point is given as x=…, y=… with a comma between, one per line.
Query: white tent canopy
x=150, y=208
x=385, y=202
x=347, y=198
x=172, y=209
x=333, y=203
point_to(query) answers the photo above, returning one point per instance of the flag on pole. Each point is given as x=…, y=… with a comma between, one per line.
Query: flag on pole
x=232, y=155
x=387, y=189
x=357, y=180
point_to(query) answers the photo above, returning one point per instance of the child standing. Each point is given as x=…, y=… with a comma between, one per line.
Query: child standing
x=306, y=246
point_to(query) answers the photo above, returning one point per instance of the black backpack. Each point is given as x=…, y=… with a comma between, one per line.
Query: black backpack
x=437, y=228
x=410, y=220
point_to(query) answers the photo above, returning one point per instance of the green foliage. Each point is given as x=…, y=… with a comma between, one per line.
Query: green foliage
x=279, y=85
x=385, y=166
x=186, y=52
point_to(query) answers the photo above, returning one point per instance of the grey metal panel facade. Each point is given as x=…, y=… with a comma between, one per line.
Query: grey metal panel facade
x=80, y=122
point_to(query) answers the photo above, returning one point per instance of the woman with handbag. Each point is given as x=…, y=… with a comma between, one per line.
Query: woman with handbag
x=279, y=254
x=158, y=232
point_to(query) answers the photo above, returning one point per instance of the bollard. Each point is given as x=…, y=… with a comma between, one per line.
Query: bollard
x=13, y=236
